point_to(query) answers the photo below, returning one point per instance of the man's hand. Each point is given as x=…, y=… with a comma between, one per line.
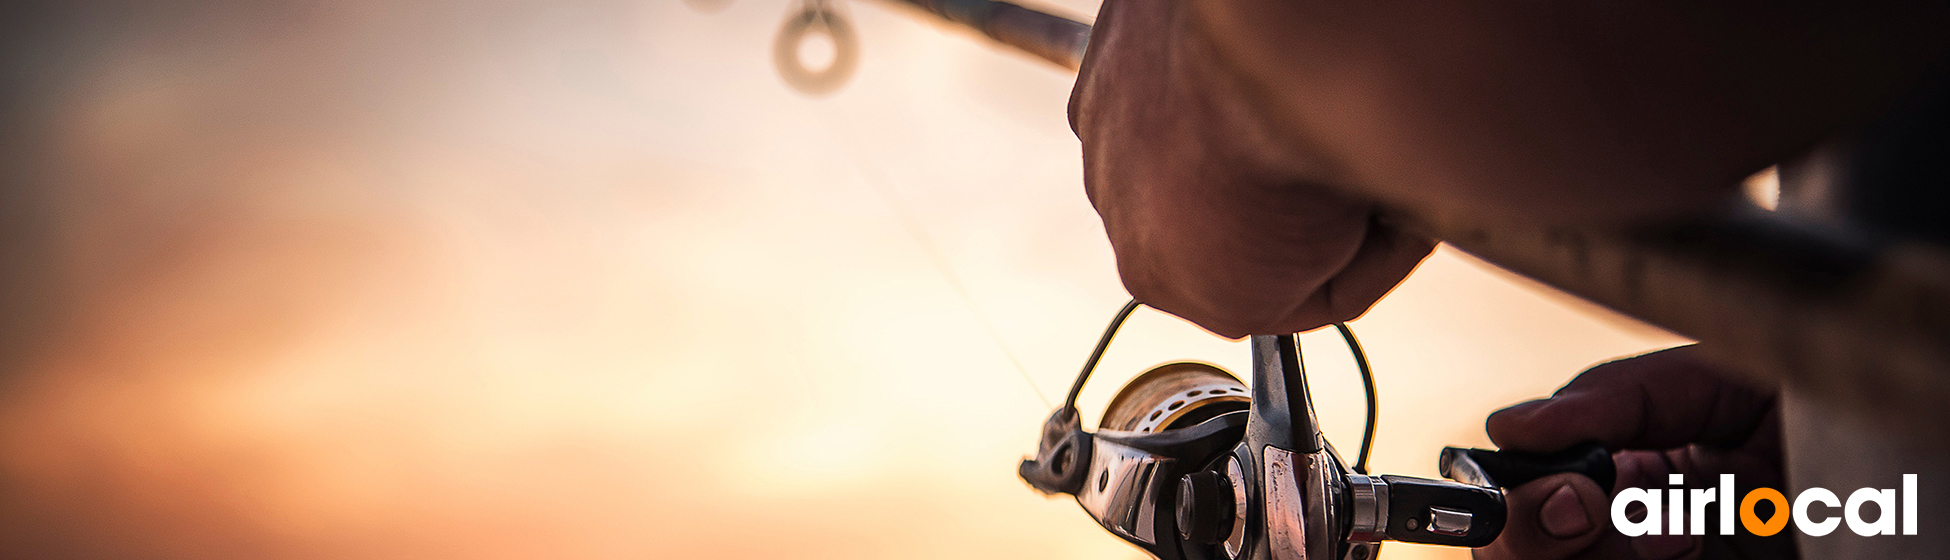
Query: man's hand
x=1235, y=148
x=1662, y=413
x=1211, y=218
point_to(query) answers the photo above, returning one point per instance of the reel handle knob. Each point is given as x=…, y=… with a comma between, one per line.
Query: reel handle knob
x=1510, y=469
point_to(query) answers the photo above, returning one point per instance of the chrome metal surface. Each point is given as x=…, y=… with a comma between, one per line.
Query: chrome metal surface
x=1444, y=521
x=1285, y=518
x=1121, y=489
x=1235, y=543
x=1147, y=507
x=1323, y=498
x=1370, y=508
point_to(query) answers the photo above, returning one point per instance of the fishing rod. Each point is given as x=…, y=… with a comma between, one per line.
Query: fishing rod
x=1834, y=308
x=1054, y=38
x=1186, y=468
x=1190, y=463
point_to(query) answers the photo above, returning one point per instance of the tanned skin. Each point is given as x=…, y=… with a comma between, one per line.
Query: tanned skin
x=1239, y=152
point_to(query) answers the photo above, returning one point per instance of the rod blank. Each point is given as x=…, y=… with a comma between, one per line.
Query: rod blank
x=1052, y=37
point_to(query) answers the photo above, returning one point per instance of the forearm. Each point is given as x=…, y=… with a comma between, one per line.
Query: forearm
x=1564, y=110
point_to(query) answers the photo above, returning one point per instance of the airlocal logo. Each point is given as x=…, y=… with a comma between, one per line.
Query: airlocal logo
x=1673, y=522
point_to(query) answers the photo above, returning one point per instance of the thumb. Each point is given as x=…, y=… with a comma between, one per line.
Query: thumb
x=1555, y=517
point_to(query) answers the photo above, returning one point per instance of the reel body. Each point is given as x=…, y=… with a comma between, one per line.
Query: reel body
x=1182, y=470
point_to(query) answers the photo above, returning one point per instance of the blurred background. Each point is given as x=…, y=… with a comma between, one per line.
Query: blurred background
x=584, y=279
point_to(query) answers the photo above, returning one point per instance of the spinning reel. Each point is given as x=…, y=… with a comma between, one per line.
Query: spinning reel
x=1191, y=464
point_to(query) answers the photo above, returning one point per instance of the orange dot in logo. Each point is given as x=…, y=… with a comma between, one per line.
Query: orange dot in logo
x=1774, y=523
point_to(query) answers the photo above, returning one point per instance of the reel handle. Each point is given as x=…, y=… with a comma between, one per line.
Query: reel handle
x=1509, y=469
x=1442, y=512
x=1471, y=512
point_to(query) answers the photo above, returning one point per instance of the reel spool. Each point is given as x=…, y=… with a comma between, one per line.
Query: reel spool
x=1175, y=395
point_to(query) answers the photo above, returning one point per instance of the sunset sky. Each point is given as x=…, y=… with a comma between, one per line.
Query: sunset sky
x=576, y=279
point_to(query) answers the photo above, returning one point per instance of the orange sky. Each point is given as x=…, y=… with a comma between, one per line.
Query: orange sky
x=585, y=280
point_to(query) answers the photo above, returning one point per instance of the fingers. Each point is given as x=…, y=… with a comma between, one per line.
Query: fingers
x=1203, y=232
x=1556, y=517
x=1655, y=401
x=1663, y=413
x=1566, y=516
x=1225, y=273
x=1210, y=219
x=1386, y=257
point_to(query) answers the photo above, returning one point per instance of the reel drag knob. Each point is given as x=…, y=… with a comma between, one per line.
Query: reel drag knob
x=1204, y=507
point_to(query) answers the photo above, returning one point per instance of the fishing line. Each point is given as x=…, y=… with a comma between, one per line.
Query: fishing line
x=918, y=232
x=920, y=235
